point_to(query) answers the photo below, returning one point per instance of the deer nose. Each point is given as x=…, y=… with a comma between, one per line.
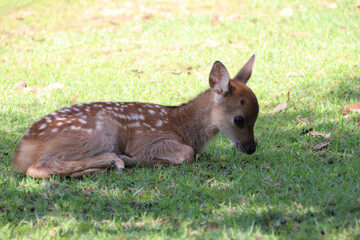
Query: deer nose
x=250, y=148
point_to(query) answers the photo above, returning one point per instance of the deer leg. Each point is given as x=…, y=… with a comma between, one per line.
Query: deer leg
x=44, y=169
x=165, y=152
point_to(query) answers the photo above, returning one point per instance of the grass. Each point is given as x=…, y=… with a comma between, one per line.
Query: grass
x=162, y=52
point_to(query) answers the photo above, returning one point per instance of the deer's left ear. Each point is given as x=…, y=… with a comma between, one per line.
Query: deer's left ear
x=219, y=79
x=245, y=72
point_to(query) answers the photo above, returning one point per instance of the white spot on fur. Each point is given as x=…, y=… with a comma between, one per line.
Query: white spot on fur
x=89, y=130
x=99, y=125
x=147, y=125
x=59, y=124
x=79, y=104
x=139, y=132
x=47, y=119
x=116, y=108
x=110, y=108
x=140, y=110
x=60, y=118
x=134, y=116
x=82, y=121
x=153, y=129
x=152, y=112
x=62, y=111
x=53, y=113
x=87, y=109
x=157, y=106
x=54, y=130
x=76, y=109
x=75, y=127
x=135, y=124
x=117, y=104
x=42, y=126
x=159, y=123
x=141, y=117
x=163, y=111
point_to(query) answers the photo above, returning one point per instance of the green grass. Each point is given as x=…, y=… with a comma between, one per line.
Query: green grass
x=162, y=52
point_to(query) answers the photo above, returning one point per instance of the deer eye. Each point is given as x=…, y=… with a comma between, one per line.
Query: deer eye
x=239, y=121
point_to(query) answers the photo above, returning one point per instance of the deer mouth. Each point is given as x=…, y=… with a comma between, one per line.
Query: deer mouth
x=240, y=147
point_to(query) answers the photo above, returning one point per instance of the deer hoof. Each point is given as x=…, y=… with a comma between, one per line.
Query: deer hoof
x=120, y=168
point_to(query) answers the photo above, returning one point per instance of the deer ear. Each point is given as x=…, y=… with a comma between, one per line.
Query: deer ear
x=219, y=79
x=245, y=72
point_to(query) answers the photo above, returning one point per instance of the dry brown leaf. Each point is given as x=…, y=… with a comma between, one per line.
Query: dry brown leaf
x=234, y=17
x=279, y=107
x=137, y=70
x=321, y=145
x=20, y=85
x=355, y=107
x=55, y=86
x=288, y=95
x=302, y=120
x=358, y=8
x=215, y=20
x=315, y=133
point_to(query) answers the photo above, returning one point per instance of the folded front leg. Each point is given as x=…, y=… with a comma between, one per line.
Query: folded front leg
x=165, y=152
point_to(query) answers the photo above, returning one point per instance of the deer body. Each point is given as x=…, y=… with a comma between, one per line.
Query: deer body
x=89, y=137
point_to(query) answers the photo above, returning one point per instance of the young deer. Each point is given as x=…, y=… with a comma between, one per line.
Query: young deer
x=88, y=138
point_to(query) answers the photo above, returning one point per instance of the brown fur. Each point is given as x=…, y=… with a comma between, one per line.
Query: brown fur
x=88, y=138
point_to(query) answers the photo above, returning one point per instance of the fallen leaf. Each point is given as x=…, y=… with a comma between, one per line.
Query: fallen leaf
x=137, y=29
x=321, y=145
x=332, y=5
x=355, y=107
x=302, y=120
x=210, y=43
x=31, y=89
x=137, y=70
x=20, y=85
x=358, y=8
x=298, y=205
x=55, y=86
x=288, y=95
x=292, y=74
x=234, y=17
x=286, y=12
x=147, y=16
x=315, y=133
x=344, y=111
x=279, y=107
x=215, y=20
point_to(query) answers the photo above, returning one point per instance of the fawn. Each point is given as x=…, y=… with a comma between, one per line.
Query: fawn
x=90, y=137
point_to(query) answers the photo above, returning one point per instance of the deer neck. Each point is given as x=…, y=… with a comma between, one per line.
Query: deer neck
x=194, y=120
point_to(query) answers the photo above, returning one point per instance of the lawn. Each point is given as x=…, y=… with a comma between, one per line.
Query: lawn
x=161, y=51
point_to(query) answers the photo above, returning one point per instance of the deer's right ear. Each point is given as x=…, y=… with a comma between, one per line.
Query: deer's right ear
x=219, y=79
